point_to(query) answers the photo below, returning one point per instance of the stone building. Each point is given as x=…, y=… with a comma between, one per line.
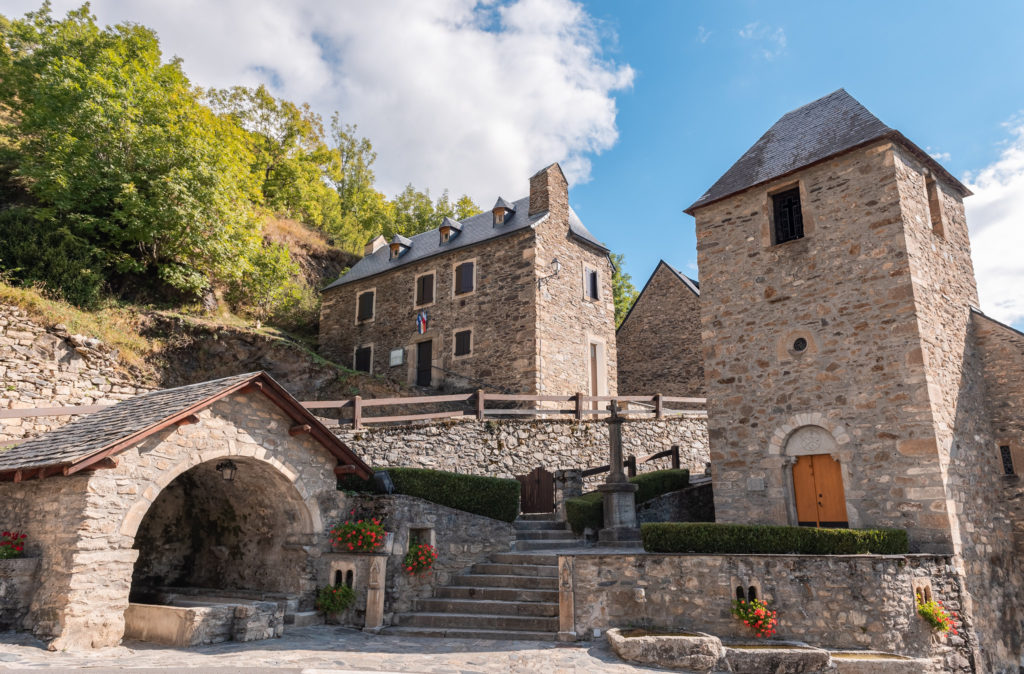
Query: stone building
x=227, y=485
x=850, y=380
x=518, y=299
x=658, y=342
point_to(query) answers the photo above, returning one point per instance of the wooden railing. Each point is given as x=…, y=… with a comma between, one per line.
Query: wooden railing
x=629, y=463
x=353, y=410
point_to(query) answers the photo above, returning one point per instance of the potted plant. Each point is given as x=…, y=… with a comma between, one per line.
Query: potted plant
x=756, y=615
x=936, y=615
x=333, y=600
x=358, y=535
x=12, y=544
x=420, y=559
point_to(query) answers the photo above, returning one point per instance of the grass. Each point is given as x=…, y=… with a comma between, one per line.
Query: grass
x=294, y=234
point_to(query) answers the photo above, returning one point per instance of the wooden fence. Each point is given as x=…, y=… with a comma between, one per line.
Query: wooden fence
x=353, y=411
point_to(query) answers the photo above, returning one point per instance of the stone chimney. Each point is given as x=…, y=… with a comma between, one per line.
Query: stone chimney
x=549, y=191
x=374, y=246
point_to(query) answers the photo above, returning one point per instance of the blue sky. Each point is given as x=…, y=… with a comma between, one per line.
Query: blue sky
x=645, y=104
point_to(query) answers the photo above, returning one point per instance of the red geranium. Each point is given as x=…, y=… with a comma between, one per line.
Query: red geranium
x=12, y=544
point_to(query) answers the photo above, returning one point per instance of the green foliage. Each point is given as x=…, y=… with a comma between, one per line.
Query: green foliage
x=420, y=559
x=497, y=498
x=624, y=293
x=357, y=536
x=588, y=510
x=334, y=598
x=936, y=615
x=711, y=538
x=12, y=544
x=757, y=615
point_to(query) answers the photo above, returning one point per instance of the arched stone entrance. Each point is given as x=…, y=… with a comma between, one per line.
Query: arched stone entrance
x=814, y=471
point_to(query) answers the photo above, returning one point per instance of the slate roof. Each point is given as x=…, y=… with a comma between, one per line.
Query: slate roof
x=819, y=130
x=690, y=283
x=476, y=229
x=132, y=418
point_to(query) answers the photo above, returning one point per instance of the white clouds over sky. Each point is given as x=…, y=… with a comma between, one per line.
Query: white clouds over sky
x=995, y=215
x=468, y=95
x=772, y=41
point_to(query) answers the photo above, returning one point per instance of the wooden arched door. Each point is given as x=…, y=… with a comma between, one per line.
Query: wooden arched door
x=818, y=489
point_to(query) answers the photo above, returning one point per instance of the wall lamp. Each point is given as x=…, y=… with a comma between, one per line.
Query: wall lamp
x=227, y=470
x=553, y=268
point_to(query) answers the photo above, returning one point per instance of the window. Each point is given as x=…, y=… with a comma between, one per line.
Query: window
x=499, y=216
x=1007, y=456
x=934, y=204
x=364, y=310
x=363, y=359
x=591, y=283
x=788, y=220
x=464, y=278
x=424, y=289
x=446, y=235
x=463, y=342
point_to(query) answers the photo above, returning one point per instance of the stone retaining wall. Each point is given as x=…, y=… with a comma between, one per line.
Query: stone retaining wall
x=506, y=448
x=857, y=602
x=17, y=586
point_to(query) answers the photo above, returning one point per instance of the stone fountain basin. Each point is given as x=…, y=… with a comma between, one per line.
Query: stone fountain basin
x=678, y=650
x=778, y=658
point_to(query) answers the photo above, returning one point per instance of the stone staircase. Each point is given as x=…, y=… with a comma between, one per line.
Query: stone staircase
x=514, y=595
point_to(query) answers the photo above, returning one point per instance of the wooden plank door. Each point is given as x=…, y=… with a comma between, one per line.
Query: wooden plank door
x=424, y=363
x=818, y=491
x=537, y=491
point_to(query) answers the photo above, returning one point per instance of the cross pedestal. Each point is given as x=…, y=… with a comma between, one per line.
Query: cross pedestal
x=620, y=528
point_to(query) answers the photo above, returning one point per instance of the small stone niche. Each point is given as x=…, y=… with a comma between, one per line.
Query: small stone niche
x=343, y=573
x=421, y=534
x=748, y=590
x=922, y=589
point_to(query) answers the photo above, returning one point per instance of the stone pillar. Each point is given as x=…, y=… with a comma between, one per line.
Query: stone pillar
x=566, y=600
x=375, y=594
x=568, y=484
x=92, y=614
x=620, y=527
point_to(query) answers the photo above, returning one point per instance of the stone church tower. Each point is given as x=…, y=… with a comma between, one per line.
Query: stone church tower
x=845, y=360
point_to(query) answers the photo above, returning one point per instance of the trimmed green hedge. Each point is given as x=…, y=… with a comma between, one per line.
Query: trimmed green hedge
x=588, y=510
x=711, y=538
x=493, y=497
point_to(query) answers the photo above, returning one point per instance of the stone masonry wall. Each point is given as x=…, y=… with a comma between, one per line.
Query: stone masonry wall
x=843, y=602
x=52, y=368
x=500, y=311
x=506, y=448
x=659, y=348
x=18, y=582
x=1002, y=352
x=846, y=289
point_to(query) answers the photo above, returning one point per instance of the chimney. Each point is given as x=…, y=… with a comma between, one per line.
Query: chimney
x=549, y=191
x=374, y=246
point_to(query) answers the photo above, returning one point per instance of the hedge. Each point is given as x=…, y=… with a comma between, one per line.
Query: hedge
x=711, y=538
x=493, y=497
x=588, y=510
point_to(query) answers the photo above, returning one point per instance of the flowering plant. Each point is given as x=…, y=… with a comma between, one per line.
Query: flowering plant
x=334, y=598
x=12, y=544
x=936, y=615
x=358, y=536
x=757, y=615
x=419, y=559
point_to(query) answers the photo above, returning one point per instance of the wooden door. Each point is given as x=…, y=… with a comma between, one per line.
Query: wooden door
x=537, y=494
x=818, y=490
x=424, y=363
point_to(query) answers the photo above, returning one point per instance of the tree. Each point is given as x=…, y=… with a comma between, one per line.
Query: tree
x=624, y=293
x=364, y=212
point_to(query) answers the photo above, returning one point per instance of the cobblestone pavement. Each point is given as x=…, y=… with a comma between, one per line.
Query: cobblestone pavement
x=324, y=649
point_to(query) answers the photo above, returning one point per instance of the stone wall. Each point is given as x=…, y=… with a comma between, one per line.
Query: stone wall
x=53, y=368
x=18, y=582
x=659, y=347
x=506, y=448
x=856, y=602
x=696, y=503
x=1002, y=353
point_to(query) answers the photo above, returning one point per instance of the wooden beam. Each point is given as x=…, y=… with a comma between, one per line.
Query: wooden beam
x=109, y=463
x=189, y=420
x=18, y=475
x=299, y=429
x=347, y=469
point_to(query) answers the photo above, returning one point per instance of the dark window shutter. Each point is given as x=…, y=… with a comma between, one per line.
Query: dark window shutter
x=363, y=359
x=425, y=289
x=789, y=221
x=464, y=278
x=365, y=306
x=462, y=342
x=592, y=284
x=1007, y=457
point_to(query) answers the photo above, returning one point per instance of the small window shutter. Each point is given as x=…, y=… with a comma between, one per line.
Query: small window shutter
x=464, y=278
x=366, y=306
x=363, y=359
x=789, y=222
x=592, y=284
x=425, y=289
x=1007, y=456
x=462, y=341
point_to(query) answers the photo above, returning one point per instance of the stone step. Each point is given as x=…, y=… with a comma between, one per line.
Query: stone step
x=536, y=517
x=442, y=633
x=535, y=570
x=477, y=621
x=530, y=546
x=304, y=618
x=526, y=525
x=519, y=582
x=874, y=662
x=496, y=594
x=525, y=558
x=545, y=535
x=464, y=606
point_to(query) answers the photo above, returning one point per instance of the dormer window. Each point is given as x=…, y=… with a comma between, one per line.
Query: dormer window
x=450, y=229
x=399, y=245
x=502, y=211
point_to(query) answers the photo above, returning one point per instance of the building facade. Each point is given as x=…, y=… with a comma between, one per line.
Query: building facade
x=846, y=386
x=518, y=299
x=658, y=342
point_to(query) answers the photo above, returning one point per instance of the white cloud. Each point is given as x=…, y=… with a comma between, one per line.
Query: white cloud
x=473, y=96
x=937, y=155
x=772, y=41
x=703, y=34
x=995, y=215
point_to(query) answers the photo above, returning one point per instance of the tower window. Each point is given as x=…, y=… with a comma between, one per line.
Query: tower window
x=788, y=220
x=591, y=284
x=1007, y=456
x=934, y=204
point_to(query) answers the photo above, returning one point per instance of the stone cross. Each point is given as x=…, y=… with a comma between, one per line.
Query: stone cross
x=620, y=528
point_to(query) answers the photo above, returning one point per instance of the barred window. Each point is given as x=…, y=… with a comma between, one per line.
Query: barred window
x=789, y=221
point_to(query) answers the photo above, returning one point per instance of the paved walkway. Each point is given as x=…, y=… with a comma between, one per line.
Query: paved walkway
x=323, y=649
